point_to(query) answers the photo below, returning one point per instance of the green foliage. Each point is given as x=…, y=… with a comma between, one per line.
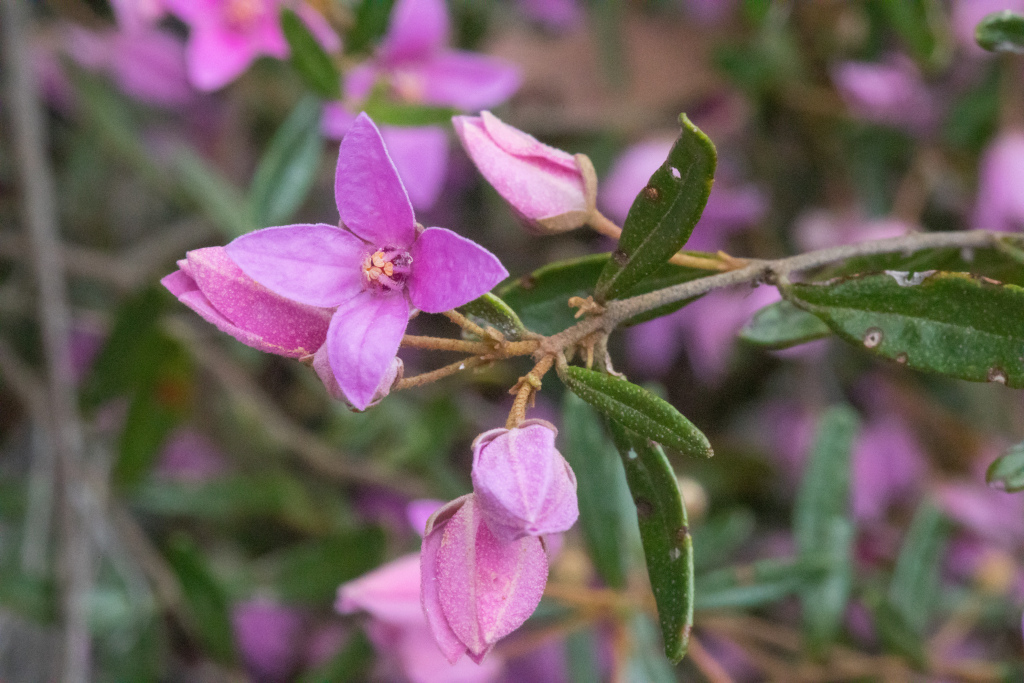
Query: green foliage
x=762, y=583
x=1001, y=32
x=205, y=599
x=384, y=110
x=914, y=586
x=371, y=23
x=951, y=323
x=1007, y=471
x=782, y=325
x=663, y=214
x=495, y=312
x=311, y=572
x=308, y=57
x=665, y=532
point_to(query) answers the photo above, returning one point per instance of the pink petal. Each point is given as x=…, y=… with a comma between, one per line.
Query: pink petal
x=322, y=367
x=515, y=141
x=449, y=270
x=468, y=81
x=318, y=265
x=216, y=57
x=336, y=120
x=421, y=156
x=371, y=199
x=319, y=27
x=390, y=593
x=487, y=588
x=363, y=340
x=151, y=67
x=418, y=28
x=430, y=591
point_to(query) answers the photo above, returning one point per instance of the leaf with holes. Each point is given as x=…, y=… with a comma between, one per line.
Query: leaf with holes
x=1001, y=32
x=1007, y=471
x=955, y=324
x=782, y=325
x=663, y=214
x=665, y=532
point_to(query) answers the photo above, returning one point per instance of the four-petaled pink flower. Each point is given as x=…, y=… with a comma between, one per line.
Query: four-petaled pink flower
x=371, y=269
x=227, y=35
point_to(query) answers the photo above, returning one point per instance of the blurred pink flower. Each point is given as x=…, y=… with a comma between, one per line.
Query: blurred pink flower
x=189, y=456
x=990, y=514
x=135, y=15
x=475, y=588
x=226, y=36
x=821, y=229
x=1000, y=200
x=891, y=92
x=554, y=15
x=268, y=636
x=889, y=467
x=414, y=59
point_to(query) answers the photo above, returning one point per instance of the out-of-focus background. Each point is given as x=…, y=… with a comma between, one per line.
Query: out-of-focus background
x=177, y=506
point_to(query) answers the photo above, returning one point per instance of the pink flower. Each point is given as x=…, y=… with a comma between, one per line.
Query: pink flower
x=227, y=35
x=398, y=627
x=134, y=15
x=420, y=153
x=322, y=367
x=888, y=467
x=891, y=93
x=1000, y=201
x=189, y=456
x=413, y=57
x=371, y=269
x=212, y=285
x=555, y=15
x=547, y=187
x=523, y=485
x=475, y=588
x=268, y=636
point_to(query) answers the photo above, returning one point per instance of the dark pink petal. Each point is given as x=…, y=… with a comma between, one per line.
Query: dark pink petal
x=421, y=156
x=430, y=591
x=318, y=265
x=418, y=28
x=449, y=270
x=371, y=199
x=468, y=81
x=363, y=340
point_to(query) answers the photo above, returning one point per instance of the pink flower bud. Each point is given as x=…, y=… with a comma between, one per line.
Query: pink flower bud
x=1000, y=202
x=522, y=483
x=322, y=366
x=476, y=589
x=551, y=190
x=212, y=285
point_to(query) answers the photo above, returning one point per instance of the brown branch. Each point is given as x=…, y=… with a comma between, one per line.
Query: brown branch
x=440, y=373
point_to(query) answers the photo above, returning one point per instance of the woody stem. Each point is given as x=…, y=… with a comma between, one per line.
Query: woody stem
x=528, y=385
x=464, y=322
x=440, y=373
x=490, y=349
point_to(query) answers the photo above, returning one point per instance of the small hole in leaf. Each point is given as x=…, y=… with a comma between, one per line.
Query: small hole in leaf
x=996, y=375
x=675, y=172
x=873, y=337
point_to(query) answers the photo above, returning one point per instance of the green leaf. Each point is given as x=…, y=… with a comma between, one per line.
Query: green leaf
x=581, y=659
x=755, y=585
x=542, y=298
x=782, y=325
x=951, y=323
x=151, y=418
x=598, y=477
x=1001, y=32
x=371, y=23
x=637, y=409
x=894, y=631
x=288, y=167
x=311, y=572
x=1006, y=472
x=663, y=214
x=308, y=57
x=205, y=599
x=215, y=196
x=823, y=527
x=665, y=532
x=643, y=664
x=385, y=111
x=495, y=312
x=914, y=586
x=915, y=22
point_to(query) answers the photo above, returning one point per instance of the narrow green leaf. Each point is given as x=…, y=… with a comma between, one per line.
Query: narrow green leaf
x=755, y=585
x=894, y=631
x=311, y=572
x=782, y=325
x=288, y=167
x=598, y=476
x=493, y=311
x=581, y=658
x=1001, y=32
x=147, y=425
x=637, y=409
x=644, y=665
x=955, y=324
x=823, y=527
x=1006, y=472
x=665, y=532
x=205, y=600
x=308, y=57
x=385, y=111
x=663, y=215
x=212, y=193
x=371, y=23
x=914, y=586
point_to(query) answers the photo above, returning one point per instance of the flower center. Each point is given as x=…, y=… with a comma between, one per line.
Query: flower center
x=240, y=14
x=386, y=269
x=408, y=86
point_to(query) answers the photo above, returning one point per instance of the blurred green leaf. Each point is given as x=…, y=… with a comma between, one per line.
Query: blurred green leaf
x=581, y=657
x=205, y=599
x=758, y=584
x=974, y=116
x=894, y=631
x=720, y=536
x=951, y=323
x=782, y=325
x=1006, y=472
x=637, y=409
x=823, y=526
x=308, y=57
x=352, y=663
x=644, y=664
x=493, y=311
x=386, y=112
x=286, y=172
x=32, y=597
x=311, y=572
x=665, y=532
x=371, y=23
x=154, y=412
x=915, y=22
x=914, y=586
x=663, y=215
x=1001, y=32
x=215, y=196
x=598, y=475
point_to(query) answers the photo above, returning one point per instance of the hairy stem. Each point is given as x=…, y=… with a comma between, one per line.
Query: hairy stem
x=490, y=349
x=464, y=322
x=440, y=373
x=525, y=389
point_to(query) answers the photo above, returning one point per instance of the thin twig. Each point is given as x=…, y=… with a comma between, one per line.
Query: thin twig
x=527, y=386
x=40, y=215
x=440, y=373
x=495, y=350
x=464, y=322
